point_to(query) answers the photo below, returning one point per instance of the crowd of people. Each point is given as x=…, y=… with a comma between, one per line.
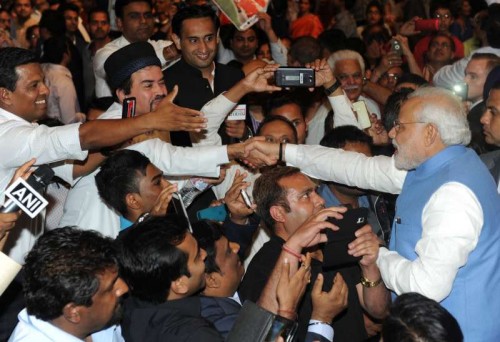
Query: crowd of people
x=196, y=200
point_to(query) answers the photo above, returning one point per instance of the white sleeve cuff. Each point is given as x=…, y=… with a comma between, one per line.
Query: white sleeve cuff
x=324, y=330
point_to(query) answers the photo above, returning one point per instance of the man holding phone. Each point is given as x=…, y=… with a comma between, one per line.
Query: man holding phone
x=287, y=201
x=440, y=11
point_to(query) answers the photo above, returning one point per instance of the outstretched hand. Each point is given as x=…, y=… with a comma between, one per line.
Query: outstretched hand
x=171, y=117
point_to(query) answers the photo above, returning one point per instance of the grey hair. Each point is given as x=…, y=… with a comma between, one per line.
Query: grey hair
x=445, y=110
x=343, y=55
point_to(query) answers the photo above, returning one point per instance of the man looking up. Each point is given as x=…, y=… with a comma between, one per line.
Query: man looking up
x=72, y=289
x=136, y=21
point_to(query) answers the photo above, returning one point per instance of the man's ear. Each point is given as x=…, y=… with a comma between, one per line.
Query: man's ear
x=217, y=37
x=5, y=96
x=119, y=24
x=431, y=135
x=212, y=280
x=120, y=94
x=177, y=41
x=278, y=213
x=133, y=201
x=180, y=286
x=71, y=313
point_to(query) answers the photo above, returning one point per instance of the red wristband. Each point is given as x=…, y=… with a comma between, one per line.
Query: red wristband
x=292, y=252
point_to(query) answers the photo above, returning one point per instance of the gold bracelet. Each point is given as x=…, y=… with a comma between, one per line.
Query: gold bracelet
x=367, y=283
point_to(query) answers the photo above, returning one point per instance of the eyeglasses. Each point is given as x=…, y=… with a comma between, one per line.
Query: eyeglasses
x=387, y=76
x=442, y=16
x=397, y=124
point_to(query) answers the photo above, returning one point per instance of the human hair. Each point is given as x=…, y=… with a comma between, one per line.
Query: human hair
x=29, y=31
x=207, y=233
x=492, y=25
x=68, y=6
x=376, y=32
x=54, y=49
x=491, y=59
x=416, y=318
x=279, y=100
x=53, y=21
x=10, y=59
x=149, y=258
x=193, y=12
x=415, y=79
x=492, y=82
x=340, y=136
x=64, y=267
x=375, y=3
x=332, y=40
x=445, y=110
x=120, y=4
x=273, y=118
x=342, y=55
x=393, y=106
x=120, y=175
x=439, y=4
x=305, y=49
x=267, y=192
x=97, y=10
x=439, y=34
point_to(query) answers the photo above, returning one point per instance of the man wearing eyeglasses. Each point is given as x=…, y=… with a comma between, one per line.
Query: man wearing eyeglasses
x=442, y=12
x=445, y=237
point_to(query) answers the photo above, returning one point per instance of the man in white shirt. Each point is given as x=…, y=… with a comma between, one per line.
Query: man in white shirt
x=349, y=68
x=23, y=100
x=136, y=21
x=445, y=237
x=134, y=71
x=72, y=289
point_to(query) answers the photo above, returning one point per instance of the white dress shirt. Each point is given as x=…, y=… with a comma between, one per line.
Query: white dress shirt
x=30, y=329
x=84, y=206
x=20, y=141
x=451, y=220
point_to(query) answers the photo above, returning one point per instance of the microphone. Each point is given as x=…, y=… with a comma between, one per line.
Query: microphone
x=37, y=180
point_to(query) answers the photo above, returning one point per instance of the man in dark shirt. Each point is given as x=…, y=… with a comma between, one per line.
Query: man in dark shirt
x=199, y=78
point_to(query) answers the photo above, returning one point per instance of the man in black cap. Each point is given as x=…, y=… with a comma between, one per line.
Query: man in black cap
x=135, y=71
x=135, y=20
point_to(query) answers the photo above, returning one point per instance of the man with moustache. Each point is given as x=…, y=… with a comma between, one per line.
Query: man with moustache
x=349, y=69
x=72, y=289
x=444, y=241
x=99, y=28
x=135, y=71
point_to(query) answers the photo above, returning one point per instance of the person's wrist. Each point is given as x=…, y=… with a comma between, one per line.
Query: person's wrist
x=235, y=151
x=321, y=316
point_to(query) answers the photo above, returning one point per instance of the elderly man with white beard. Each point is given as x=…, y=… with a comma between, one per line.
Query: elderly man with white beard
x=445, y=236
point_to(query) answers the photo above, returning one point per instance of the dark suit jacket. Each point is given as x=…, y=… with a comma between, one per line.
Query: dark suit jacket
x=492, y=161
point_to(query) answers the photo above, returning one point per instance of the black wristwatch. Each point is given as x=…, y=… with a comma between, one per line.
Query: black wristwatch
x=330, y=90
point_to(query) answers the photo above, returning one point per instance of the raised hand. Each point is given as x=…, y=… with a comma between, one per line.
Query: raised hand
x=234, y=201
x=171, y=117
